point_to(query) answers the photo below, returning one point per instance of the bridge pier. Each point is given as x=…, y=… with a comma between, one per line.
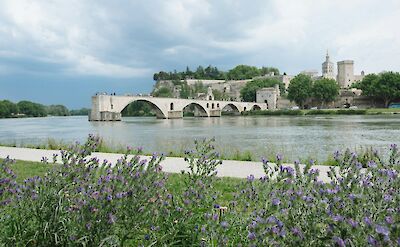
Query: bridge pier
x=175, y=114
x=215, y=113
x=105, y=116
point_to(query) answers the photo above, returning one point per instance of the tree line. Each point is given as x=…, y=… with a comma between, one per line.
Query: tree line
x=26, y=108
x=240, y=72
x=384, y=87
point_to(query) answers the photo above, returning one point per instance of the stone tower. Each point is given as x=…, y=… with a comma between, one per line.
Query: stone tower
x=327, y=68
x=345, y=75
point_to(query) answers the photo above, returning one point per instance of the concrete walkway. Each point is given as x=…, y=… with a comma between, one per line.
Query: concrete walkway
x=229, y=168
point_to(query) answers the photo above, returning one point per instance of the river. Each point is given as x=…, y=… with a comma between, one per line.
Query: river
x=296, y=137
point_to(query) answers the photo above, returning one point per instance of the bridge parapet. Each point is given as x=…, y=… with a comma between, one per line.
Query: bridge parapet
x=109, y=107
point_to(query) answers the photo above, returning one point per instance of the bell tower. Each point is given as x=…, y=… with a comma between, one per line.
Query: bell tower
x=328, y=68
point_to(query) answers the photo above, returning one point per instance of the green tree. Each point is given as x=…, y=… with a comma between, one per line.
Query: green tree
x=7, y=108
x=163, y=92
x=242, y=72
x=267, y=70
x=199, y=74
x=218, y=95
x=248, y=92
x=3, y=110
x=80, y=112
x=31, y=109
x=199, y=87
x=325, y=90
x=300, y=89
x=188, y=72
x=384, y=86
x=57, y=110
x=185, y=92
x=137, y=108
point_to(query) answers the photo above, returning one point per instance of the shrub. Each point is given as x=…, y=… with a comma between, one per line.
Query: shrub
x=89, y=202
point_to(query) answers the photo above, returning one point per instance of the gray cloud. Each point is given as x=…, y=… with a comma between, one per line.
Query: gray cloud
x=133, y=39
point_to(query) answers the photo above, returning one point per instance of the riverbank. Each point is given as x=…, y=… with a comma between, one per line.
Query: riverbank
x=237, y=155
x=287, y=112
x=228, y=168
x=56, y=145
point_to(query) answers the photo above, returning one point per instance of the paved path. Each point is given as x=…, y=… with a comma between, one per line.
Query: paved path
x=229, y=168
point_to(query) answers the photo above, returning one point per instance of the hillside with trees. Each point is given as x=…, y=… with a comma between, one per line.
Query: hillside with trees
x=248, y=92
x=240, y=72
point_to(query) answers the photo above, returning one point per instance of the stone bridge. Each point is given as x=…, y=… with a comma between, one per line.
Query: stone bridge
x=109, y=107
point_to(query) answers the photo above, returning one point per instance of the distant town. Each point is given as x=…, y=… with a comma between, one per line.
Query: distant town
x=327, y=89
x=307, y=90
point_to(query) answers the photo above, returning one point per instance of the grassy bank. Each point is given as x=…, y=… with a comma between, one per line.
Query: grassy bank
x=53, y=144
x=285, y=112
x=270, y=154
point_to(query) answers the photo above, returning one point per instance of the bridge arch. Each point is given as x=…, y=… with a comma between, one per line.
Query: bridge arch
x=199, y=110
x=256, y=108
x=231, y=108
x=159, y=113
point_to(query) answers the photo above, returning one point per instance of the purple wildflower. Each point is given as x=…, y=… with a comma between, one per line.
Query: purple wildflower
x=251, y=236
x=111, y=218
x=337, y=218
x=352, y=222
x=372, y=164
x=154, y=228
x=276, y=201
x=387, y=197
x=253, y=225
x=372, y=241
x=382, y=230
x=215, y=217
x=367, y=221
x=339, y=241
x=297, y=232
x=389, y=220
x=88, y=226
x=224, y=224
x=250, y=178
x=336, y=155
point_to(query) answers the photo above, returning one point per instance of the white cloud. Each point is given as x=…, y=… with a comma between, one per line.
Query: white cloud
x=131, y=38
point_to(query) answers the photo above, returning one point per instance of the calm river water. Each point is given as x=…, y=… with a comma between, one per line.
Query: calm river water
x=296, y=137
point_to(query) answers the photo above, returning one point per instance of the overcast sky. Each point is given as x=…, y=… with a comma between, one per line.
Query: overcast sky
x=64, y=51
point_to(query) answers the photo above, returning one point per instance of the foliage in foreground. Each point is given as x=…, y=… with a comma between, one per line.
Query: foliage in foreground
x=88, y=202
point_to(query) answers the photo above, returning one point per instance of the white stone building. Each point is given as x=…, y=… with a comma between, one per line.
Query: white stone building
x=328, y=68
x=269, y=95
x=345, y=76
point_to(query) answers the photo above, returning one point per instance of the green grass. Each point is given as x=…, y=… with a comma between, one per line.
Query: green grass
x=226, y=186
x=373, y=111
x=28, y=169
x=284, y=112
